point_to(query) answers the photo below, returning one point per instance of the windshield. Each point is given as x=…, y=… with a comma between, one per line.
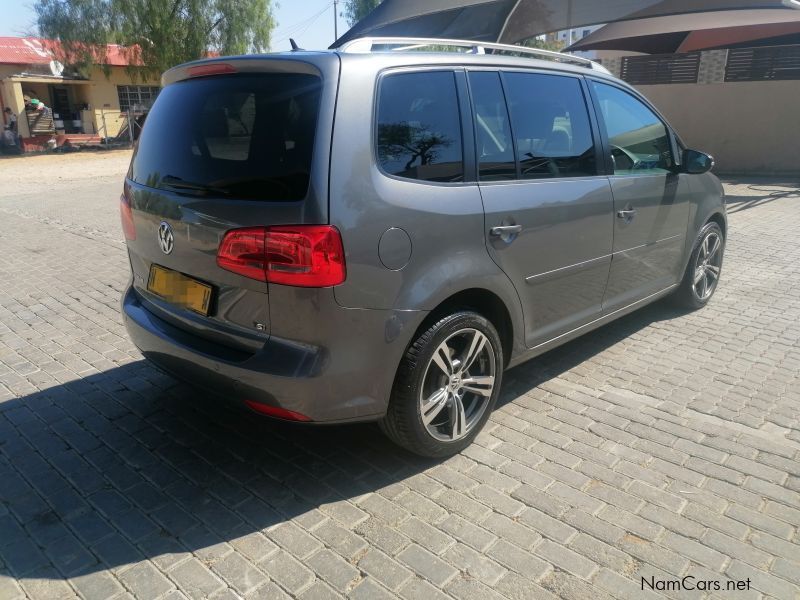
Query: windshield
x=238, y=136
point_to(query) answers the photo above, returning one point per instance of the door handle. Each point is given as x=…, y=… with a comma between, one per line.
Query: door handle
x=505, y=230
x=626, y=214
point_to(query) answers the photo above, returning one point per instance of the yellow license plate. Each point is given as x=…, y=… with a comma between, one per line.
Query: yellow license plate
x=179, y=289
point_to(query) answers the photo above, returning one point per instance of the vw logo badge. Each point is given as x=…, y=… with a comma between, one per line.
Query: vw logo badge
x=166, y=239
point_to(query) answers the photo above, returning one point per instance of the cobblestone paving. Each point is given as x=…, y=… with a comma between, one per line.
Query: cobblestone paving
x=664, y=445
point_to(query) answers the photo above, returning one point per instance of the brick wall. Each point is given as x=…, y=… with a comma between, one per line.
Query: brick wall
x=712, y=66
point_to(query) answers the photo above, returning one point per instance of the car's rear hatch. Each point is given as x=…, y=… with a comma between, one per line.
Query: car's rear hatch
x=231, y=143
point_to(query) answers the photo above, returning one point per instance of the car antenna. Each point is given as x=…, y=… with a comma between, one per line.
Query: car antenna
x=295, y=47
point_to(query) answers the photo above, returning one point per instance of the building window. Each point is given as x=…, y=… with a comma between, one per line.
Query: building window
x=661, y=68
x=137, y=97
x=769, y=63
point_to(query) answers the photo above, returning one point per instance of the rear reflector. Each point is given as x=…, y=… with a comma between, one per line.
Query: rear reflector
x=297, y=255
x=274, y=411
x=126, y=214
x=210, y=69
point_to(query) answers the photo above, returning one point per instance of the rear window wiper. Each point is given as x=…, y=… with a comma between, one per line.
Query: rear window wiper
x=182, y=185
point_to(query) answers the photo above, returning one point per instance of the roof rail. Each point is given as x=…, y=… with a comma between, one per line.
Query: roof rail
x=366, y=44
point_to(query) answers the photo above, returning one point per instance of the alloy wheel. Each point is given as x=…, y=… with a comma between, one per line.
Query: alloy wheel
x=457, y=385
x=708, y=266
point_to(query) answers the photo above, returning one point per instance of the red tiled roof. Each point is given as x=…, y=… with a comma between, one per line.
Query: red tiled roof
x=34, y=51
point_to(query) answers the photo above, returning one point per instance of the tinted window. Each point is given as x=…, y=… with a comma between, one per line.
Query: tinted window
x=419, y=128
x=243, y=136
x=639, y=140
x=495, y=147
x=551, y=126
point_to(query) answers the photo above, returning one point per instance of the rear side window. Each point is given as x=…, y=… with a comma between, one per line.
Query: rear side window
x=239, y=136
x=419, y=127
x=495, y=146
x=551, y=126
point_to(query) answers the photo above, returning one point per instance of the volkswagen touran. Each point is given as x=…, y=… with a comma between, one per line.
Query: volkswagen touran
x=376, y=233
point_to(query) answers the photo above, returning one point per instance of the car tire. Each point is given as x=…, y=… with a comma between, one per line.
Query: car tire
x=446, y=386
x=704, y=269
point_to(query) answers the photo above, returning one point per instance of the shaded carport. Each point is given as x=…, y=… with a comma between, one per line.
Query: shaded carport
x=511, y=21
x=697, y=31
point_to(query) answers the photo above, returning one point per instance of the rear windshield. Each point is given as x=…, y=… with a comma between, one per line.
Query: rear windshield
x=240, y=136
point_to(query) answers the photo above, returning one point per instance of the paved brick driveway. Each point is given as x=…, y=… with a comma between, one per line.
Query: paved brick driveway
x=663, y=445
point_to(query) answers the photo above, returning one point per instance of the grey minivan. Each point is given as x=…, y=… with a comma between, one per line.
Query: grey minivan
x=376, y=233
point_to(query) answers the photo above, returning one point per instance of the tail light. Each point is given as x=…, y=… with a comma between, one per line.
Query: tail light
x=298, y=255
x=126, y=214
x=242, y=251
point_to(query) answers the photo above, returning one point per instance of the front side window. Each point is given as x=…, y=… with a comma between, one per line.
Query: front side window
x=551, y=126
x=419, y=127
x=639, y=140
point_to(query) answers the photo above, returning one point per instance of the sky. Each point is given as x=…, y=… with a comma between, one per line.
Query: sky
x=309, y=22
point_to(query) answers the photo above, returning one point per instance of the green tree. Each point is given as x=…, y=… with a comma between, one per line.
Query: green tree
x=155, y=34
x=355, y=10
x=535, y=42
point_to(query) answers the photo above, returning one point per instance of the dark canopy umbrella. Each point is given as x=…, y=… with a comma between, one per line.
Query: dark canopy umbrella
x=700, y=31
x=511, y=21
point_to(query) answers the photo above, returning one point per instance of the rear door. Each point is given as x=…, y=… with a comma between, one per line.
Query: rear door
x=548, y=206
x=650, y=197
x=219, y=152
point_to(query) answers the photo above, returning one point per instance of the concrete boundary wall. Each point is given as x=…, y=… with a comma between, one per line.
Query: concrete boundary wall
x=751, y=128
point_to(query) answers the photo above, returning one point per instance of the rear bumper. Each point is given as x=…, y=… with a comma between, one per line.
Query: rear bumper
x=342, y=371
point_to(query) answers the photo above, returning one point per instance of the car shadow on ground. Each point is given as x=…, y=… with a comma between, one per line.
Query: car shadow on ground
x=769, y=191
x=541, y=369
x=128, y=465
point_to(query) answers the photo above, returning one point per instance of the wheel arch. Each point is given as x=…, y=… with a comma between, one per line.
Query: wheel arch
x=719, y=219
x=484, y=302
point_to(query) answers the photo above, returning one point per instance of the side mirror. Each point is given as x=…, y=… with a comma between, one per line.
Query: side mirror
x=696, y=162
